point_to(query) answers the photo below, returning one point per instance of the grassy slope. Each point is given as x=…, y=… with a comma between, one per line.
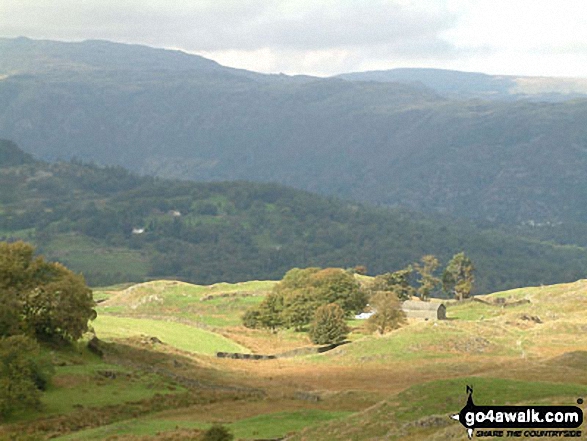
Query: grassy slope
x=192, y=308
x=217, y=305
x=72, y=384
x=399, y=386
x=421, y=412
x=477, y=335
x=85, y=383
x=180, y=336
x=176, y=312
x=266, y=426
x=513, y=359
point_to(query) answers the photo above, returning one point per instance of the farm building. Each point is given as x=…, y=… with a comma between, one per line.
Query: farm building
x=424, y=310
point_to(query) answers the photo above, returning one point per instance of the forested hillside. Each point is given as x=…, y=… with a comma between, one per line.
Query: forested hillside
x=171, y=114
x=116, y=226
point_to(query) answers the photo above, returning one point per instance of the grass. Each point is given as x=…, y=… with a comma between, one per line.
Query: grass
x=177, y=335
x=410, y=415
x=219, y=305
x=141, y=426
x=86, y=386
x=266, y=426
x=418, y=341
x=473, y=311
x=446, y=396
x=275, y=425
x=83, y=381
x=403, y=385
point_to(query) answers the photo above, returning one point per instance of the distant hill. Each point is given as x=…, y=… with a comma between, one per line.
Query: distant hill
x=176, y=115
x=468, y=85
x=118, y=227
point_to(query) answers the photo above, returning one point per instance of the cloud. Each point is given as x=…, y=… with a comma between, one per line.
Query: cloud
x=524, y=37
x=284, y=27
x=326, y=36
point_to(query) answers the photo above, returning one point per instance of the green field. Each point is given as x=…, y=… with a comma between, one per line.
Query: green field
x=92, y=386
x=421, y=412
x=266, y=426
x=180, y=336
x=217, y=305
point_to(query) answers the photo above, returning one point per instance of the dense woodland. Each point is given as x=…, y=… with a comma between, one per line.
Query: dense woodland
x=84, y=216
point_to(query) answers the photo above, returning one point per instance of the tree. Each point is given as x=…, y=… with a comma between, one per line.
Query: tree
x=301, y=292
x=458, y=276
x=48, y=300
x=299, y=308
x=296, y=278
x=9, y=312
x=398, y=282
x=334, y=285
x=428, y=282
x=388, y=313
x=329, y=325
x=251, y=318
x=269, y=312
x=24, y=372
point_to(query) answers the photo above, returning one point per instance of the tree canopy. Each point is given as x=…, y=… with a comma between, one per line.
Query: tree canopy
x=41, y=299
x=458, y=276
x=294, y=300
x=328, y=325
x=428, y=281
x=398, y=281
x=213, y=232
x=388, y=313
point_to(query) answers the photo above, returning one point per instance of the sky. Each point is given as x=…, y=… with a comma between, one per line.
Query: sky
x=327, y=37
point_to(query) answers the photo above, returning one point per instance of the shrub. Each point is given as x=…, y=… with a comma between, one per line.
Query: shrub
x=251, y=319
x=217, y=433
x=24, y=372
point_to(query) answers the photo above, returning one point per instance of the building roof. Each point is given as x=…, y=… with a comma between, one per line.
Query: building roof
x=421, y=306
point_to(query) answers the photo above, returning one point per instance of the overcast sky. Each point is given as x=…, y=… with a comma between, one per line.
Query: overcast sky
x=326, y=37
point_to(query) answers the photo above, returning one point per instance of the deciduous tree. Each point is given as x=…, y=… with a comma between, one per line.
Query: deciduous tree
x=458, y=276
x=428, y=281
x=47, y=299
x=388, y=314
x=398, y=281
x=329, y=325
x=270, y=312
x=301, y=292
x=299, y=308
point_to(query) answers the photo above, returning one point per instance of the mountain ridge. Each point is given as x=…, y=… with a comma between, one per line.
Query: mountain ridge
x=388, y=143
x=477, y=85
